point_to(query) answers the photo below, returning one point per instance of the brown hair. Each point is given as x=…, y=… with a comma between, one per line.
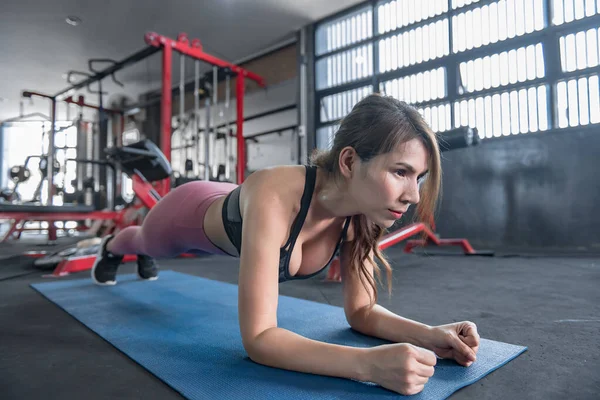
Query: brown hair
x=376, y=125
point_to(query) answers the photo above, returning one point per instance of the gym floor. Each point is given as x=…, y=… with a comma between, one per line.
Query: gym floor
x=549, y=304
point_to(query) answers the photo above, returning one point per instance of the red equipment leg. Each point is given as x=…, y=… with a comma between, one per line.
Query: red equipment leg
x=79, y=264
x=334, y=275
x=165, y=106
x=241, y=144
x=144, y=190
x=13, y=228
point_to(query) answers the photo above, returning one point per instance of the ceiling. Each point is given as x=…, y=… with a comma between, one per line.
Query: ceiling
x=38, y=46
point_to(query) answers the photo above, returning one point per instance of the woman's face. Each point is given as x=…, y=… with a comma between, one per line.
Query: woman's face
x=388, y=184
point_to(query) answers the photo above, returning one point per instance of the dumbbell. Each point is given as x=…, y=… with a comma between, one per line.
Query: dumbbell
x=43, y=165
x=19, y=174
x=88, y=183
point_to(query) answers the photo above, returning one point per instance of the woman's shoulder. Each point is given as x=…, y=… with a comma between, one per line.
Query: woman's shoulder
x=278, y=177
x=282, y=185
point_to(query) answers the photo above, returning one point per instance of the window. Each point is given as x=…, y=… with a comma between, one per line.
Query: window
x=417, y=88
x=486, y=64
x=506, y=113
x=414, y=46
x=325, y=136
x=578, y=102
x=400, y=13
x=345, y=67
x=496, y=22
x=565, y=11
x=438, y=117
x=337, y=106
x=501, y=69
x=345, y=31
x=461, y=3
x=579, y=51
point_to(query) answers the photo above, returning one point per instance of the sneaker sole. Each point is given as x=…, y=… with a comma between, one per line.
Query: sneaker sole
x=98, y=256
x=145, y=279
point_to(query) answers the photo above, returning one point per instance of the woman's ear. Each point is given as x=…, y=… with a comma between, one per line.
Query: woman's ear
x=347, y=162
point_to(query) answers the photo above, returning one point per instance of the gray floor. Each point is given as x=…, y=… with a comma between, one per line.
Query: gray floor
x=549, y=304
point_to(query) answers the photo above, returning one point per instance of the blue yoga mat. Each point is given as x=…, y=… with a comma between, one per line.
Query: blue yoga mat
x=184, y=329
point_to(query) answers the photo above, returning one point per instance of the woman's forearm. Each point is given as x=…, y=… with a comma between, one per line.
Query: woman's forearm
x=280, y=348
x=382, y=323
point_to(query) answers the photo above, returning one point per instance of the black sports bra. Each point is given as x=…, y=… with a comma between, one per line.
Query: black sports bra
x=232, y=221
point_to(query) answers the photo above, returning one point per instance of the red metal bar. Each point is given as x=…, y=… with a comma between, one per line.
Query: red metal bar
x=81, y=103
x=166, y=104
x=401, y=234
x=241, y=145
x=11, y=230
x=85, y=263
x=182, y=45
x=194, y=50
x=143, y=190
x=28, y=93
x=334, y=275
x=78, y=264
x=20, y=218
x=463, y=243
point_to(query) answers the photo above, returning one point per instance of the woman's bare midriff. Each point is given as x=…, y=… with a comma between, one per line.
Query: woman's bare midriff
x=214, y=229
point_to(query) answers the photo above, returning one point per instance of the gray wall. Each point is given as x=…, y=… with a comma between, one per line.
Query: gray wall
x=532, y=190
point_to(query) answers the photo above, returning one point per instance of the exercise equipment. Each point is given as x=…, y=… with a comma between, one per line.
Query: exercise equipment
x=51, y=153
x=204, y=163
x=21, y=173
x=459, y=138
x=83, y=248
x=195, y=51
x=144, y=163
x=18, y=174
x=166, y=46
x=196, y=322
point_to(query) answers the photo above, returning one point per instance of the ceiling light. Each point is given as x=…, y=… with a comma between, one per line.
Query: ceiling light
x=73, y=20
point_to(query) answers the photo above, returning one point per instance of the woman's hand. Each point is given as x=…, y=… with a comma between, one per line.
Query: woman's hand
x=401, y=367
x=458, y=341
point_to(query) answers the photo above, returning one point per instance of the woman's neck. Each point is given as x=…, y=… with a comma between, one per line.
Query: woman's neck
x=331, y=198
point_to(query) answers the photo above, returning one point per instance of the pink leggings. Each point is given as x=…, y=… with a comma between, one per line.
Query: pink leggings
x=175, y=225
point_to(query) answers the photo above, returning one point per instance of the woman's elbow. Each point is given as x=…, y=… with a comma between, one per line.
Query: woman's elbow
x=252, y=349
x=255, y=347
x=356, y=319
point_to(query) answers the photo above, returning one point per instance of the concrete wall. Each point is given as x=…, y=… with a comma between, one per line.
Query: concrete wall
x=531, y=190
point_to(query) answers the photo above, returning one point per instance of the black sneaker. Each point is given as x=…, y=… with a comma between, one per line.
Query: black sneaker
x=147, y=268
x=104, y=271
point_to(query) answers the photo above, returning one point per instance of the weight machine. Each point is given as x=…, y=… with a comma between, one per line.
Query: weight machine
x=155, y=43
x=193, y=49
x=159, y=43
x=197, y=149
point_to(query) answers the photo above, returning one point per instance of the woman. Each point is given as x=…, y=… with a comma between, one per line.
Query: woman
x=288, y=222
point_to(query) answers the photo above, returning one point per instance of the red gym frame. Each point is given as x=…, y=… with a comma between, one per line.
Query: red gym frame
x=393, y=238
x=194, y=50
x=155, y=43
